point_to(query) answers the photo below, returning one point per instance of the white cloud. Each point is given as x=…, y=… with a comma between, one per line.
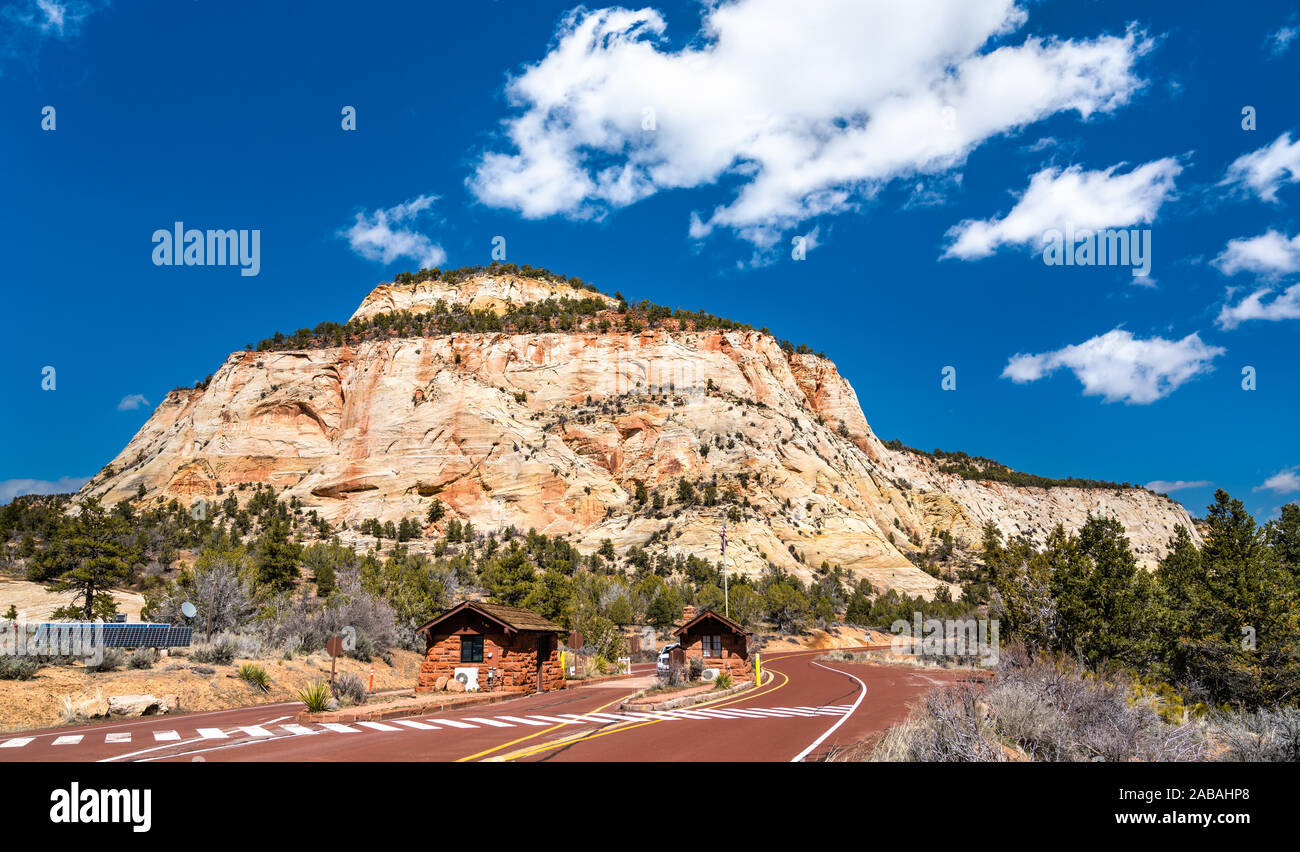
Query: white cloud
x=375, y=236
x=1118, y=366
x=1073, y=199
x=1265, y=170
x=1257, y=306
x=11, y=488
x=806, y=111
x=1283, y=482
x=25, y=24
x=132, y=401
x=1163, y=486
x=1269, y=255
x=1281, y=39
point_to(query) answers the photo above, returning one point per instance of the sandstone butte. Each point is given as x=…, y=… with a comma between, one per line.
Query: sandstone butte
x=553, y=431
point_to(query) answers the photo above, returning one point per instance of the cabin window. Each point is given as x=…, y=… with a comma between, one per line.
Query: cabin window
x=713, y=646
x=471, y=648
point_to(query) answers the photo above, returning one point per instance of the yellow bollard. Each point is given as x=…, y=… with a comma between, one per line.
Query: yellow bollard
x=564, y=672
x=758, y=670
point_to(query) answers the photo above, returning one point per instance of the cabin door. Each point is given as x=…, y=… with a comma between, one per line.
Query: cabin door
x=543, y=651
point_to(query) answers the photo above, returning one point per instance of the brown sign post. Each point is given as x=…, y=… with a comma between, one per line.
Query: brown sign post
x=335, y=648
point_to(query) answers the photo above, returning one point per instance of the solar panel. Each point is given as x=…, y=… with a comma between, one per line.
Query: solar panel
x=142, y=635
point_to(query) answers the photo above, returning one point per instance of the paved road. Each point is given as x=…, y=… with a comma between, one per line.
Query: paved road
x=802, y=709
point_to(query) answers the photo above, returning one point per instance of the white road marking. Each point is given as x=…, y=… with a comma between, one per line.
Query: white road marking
x=70, y=739
x=419, y=726
x=255, y=731
x=798, y=758
x=117, y=738
x=378, y=726
x=455, y=724
x=338, y=729
x=555, y=721
x=16, y=742
x=166, y=736
x=519, y=720
x=298, y=730
x=212, y=733
x=491, y=722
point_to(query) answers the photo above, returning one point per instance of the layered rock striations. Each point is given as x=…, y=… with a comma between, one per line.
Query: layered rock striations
x=554, y=431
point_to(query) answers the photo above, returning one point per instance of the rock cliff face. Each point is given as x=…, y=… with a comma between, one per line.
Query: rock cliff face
x=555, y=431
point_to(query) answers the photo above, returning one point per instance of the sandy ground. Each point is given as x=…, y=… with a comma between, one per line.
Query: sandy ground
x=35, y=603
x=37, y=703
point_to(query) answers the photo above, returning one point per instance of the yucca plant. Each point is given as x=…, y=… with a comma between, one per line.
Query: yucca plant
x=256, y=675
x=316, y=697
x=722, y=681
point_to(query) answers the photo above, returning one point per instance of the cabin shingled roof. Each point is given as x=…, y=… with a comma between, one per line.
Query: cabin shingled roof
x=514, y=617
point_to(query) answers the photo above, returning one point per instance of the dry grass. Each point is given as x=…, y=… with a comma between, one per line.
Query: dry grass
x=43, y=701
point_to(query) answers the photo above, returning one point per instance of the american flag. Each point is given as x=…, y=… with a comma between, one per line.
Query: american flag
x=724, y=536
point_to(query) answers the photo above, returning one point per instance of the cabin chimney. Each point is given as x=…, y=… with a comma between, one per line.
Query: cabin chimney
x=688, y=612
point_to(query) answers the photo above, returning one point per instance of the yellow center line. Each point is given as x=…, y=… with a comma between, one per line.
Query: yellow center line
x=628, y=726
x=621, y=727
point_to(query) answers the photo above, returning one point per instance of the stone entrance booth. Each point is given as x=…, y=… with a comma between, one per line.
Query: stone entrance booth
x=491, y=648
x=722, y=643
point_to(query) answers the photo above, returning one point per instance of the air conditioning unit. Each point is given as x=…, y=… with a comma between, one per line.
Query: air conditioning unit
x=709, y=674
x=468, y=677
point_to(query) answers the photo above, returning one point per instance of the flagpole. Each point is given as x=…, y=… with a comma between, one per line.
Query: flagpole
x=726, y=597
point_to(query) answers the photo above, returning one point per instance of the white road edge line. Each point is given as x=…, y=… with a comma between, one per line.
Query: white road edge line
x=798, y=758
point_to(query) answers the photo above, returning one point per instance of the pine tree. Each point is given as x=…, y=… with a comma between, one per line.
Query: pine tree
x=87, y=557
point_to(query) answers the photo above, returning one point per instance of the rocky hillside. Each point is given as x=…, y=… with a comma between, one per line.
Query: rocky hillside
x=587, y=433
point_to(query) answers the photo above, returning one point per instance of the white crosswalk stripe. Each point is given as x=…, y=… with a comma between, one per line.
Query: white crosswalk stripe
x=263, y=731
x=519, y=720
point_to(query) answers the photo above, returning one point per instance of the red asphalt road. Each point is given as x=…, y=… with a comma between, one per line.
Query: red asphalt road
x=791, y=679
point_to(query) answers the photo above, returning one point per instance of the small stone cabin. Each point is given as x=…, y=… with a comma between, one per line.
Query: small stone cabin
x=512, y=649
x=722, y=643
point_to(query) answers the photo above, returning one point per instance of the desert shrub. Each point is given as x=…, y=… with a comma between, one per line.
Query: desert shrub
x=18, y=668
x=112, y=660
x=255, y=675
x=310, y=623
x=349, y=689
x=696, y=666
x=219, y=590
x=364, y=648
x=316, y=697
x=143, y=658
x=722, y=681
x=1044, y=709
x=1264, y=735
x=220, y=651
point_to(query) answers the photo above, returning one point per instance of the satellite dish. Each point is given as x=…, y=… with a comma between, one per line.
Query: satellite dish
x=188, y=610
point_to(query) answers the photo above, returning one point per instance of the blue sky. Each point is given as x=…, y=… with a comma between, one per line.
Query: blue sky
x=923, y=154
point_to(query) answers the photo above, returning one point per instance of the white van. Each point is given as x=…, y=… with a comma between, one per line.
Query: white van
x=662, y=666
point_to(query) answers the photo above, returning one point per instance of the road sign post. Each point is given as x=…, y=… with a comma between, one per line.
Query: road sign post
x=335, y=647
